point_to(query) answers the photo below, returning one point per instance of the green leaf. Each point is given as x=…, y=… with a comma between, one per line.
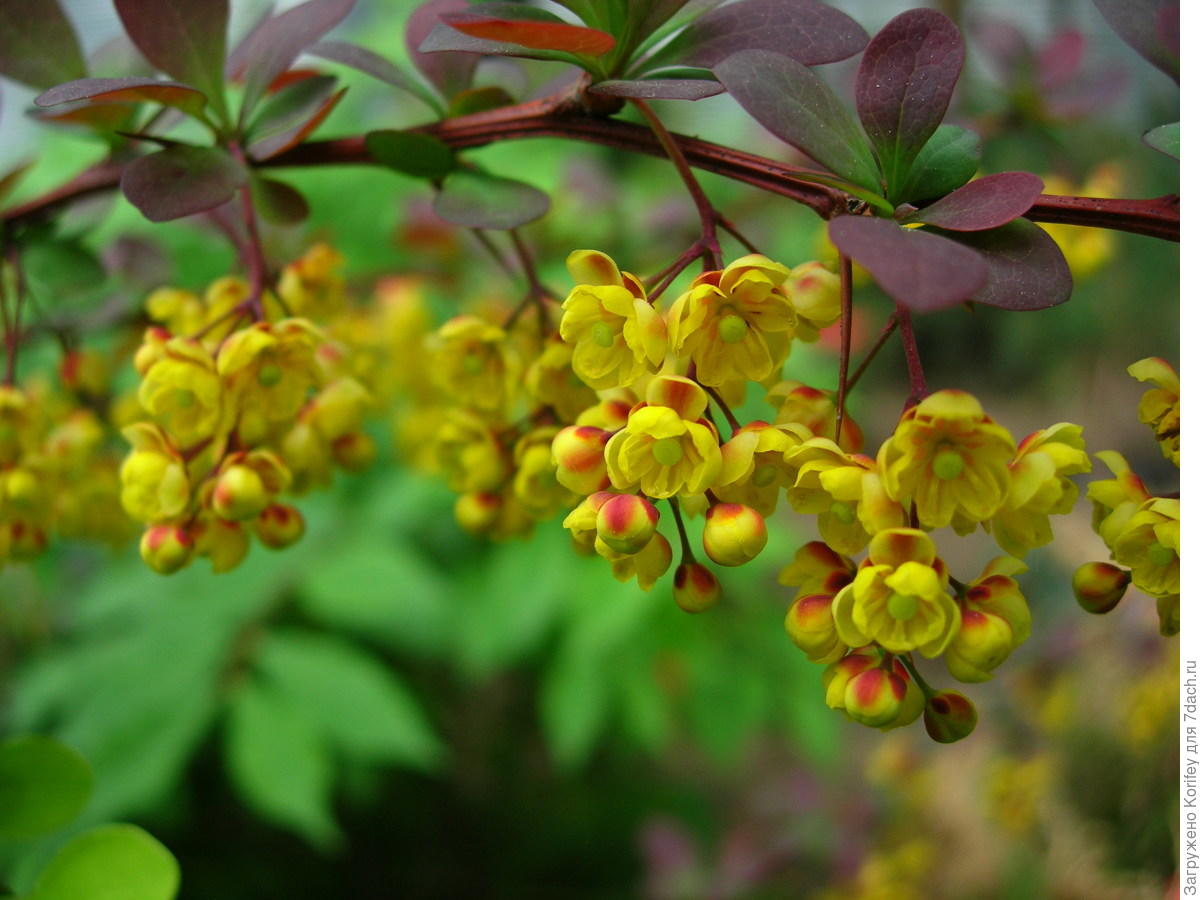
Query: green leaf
x=38, y=46
x=945, y=163
x=411, y=152
x=357, y=703
x=1164, y=139
x=280, y=763
x=44, y=785
x=476, y=100
x=61, y=268
x=475, y=199
x=277, y=202
x=112, y=862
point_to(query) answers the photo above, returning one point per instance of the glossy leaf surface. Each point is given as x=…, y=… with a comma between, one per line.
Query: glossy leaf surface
x=947, y=161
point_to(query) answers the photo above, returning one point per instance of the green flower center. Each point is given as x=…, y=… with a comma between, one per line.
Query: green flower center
x=732, y=329
x=668, y=451
x=269, y=375
x=185, y=399
x=472, y=363
x=763, y=476
x=1160, y=554
x=902, y=607
x=948, y=465
x=603, y=335
x=843, y=512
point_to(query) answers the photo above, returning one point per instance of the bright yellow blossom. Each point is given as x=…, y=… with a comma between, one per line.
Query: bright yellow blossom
x=183, y=392
x=1040, y=487
x=471, y=362
x=755, y=464
x=1159, y=406
x=154, y=479
x=269, y=370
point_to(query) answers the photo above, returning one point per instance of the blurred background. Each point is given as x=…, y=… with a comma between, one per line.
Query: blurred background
x=393, y=708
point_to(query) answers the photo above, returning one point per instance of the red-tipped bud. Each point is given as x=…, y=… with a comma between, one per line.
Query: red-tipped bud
x=279, y=526
x=578, y=452
x=733, y=534
x=477, y=513
x=809, y=624
x=838, y=674
x=239, y=494
x=224, y=543
x=166, y=548
x=696, y=588
x=627, y=522
x=984, y=641
x=681, y=394
x=354, y=451
x=949, y=717
x=875, y=697
x=1099, y=586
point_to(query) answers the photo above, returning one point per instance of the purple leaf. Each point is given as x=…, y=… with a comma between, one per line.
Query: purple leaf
x=309, y=102
x=660, y=88
x=236, y=62
x=38, y=46
x=449, y=72
x=904, y=84
x=475, y=199
x=374, y=65
x=988, y=202
x=1151, y=27
x=274, y=46
x=795, y=105
x=184, y=38
x=126, y=90
x=1026, y=270
x=805, y=30
x=922, y=271
x=1059, y=60
x=181, y=181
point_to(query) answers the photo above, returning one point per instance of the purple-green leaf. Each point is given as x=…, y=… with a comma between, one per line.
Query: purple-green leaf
x=475, y=199
x=1026, y=269
x=1151, y=27
x=1164, y=139
x=920, y=270
x=904, y=85
x=184, y=38
x=659, y=88
x=805, y=30
x=376, y=66
x=989, y=202
x=274, y=45
x=181, y=181
x=277, y=202
x=449, y=72
x=38, y=46
x=795, y=105
x=126, y=90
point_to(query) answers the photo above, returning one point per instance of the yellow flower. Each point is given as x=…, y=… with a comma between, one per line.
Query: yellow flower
x=1040, y=487
x=816, y=410
x=183, y=392
x=471, y=362
x=948, y=459
x=995, y=621
x=552, y=380
x=470, y=453
x=179, y=311
x=1159, y=406
x=616, y=335
x=1147, y=541
x=755, y=465
x=815, y=292
x=269, y=370
x=666, y=449
x=18, y=430
x=844, y=491
x=649, y=564
x=898, y=599
x=154, y=479
x=817, y=568
x=313, y=285
x=535, y=484
x=736, y=323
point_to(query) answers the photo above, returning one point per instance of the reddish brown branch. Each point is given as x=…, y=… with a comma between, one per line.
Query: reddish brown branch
x=1157, y=217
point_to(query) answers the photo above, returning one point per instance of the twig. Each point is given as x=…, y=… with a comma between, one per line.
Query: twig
x=845, y=326
x=916, y=374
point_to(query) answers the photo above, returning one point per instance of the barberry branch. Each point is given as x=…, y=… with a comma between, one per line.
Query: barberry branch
x=916, y=374
x=845, y=326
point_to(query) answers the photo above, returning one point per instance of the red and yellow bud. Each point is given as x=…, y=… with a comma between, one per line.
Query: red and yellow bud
x=733, y=534
x=626, y=523
x=1099, y=586
x=279, y=525
x=477, y=512
x=875, y=698
x=649, y=564
x=949, y=717
x=166, y=548
x=816, y=410
x=578, y=452
x=681, y=394
x=224, y=543
x=983, y=642
x=809, y=623
x=696, y=588
x=817, y=568
x=355, y=451
x=815, y=292
x=239, y=494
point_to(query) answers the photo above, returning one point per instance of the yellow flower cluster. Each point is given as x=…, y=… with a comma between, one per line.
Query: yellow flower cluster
x=1140, y=530
x=236, y=412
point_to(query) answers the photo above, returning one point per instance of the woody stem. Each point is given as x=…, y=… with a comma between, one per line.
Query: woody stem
x=846, y=324
x=916, y=374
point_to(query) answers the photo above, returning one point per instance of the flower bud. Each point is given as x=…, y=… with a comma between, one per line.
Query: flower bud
x=279, y=526
x=838, y=674
x=578, y=452
x=627, y=522
x=875, y=697
x=1099, y=586
x=354, y=451
x=166, y=548
x=809, y=624
x=153, y=348
x=733, y=534
x=983, y=642
x=477, y=512
x=239, y=494
x=949, y=717
x=224, y=543
x=696, y=588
